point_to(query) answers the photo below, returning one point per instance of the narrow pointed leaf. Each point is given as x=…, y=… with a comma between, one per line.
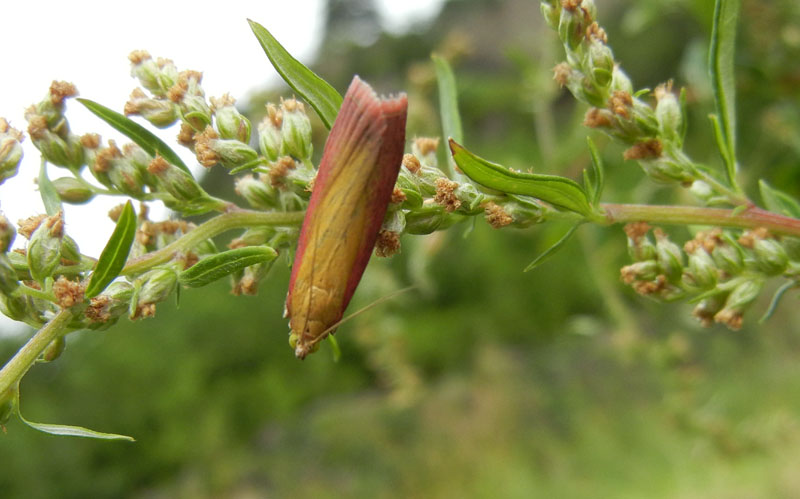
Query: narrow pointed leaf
x=558, y=191
x=598, y=171
x=222, y=264
x=721, y=67
x=337, y=351
x=50, y=197
x=114, y=255
x=325, y=100
x=552, y=249
x=136, y=132
x=448, y=105
x=776, y=299
x=71, y=431
x=778, y=201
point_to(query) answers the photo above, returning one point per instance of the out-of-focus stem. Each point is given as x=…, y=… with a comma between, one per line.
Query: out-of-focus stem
x=232, y=220
x=750, y=217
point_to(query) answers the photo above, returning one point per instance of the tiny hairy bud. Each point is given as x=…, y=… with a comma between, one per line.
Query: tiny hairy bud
x=668, y=112
x=7, y=234
x=257, y=191
x=771, y=258
x=8, y=276
x=72, y=190
x=212, y=150
x=10, y=150
x=424, y=149
x=176, y=181
x=269, y=133
x=156, y=76
x=105, y=309
x=44, y=247
x=70, y=250
x=701, y=271
x=154, y=287
x=601, y=60
x=161, y=113
x=230, y=123
x=669, y=256
x=429, y=219
x=295, y=130
x=745, y=291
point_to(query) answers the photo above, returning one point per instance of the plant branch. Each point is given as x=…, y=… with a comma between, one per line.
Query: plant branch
x=15, y=368
x=748, y=218
x=232, y=220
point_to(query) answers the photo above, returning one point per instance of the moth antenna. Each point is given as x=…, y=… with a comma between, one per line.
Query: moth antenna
x=358, y=312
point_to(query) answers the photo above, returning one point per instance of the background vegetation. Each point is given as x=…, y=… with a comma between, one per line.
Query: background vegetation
x=485, y=381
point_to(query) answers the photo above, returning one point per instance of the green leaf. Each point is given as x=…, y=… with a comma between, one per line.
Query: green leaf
x=337, y=351
x=136, y=132
x=776, y=298
x=721, y=67
x=684, y=117
x=448, y=104
x=325, y=100
x=70, y=431
x=558, y=191
x=222, y=264
x=552, y=249
x=778, y=201
x=598, y=171
x=50, y=197
x=114, y=255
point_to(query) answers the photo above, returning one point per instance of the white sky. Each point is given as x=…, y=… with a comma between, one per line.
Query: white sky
x=87, y=43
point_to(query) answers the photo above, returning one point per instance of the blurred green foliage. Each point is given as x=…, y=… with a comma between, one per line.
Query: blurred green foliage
x=484, y=381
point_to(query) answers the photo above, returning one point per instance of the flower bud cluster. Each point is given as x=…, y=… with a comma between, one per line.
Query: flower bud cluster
x=723, y=274
x=653, y=133
x=49, y=129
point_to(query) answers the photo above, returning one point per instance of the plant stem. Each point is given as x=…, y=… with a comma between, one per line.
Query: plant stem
x=232, y=220
x=15, y=368
x=748, y=218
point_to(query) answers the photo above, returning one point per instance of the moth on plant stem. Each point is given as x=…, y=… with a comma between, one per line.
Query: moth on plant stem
x=352, y=190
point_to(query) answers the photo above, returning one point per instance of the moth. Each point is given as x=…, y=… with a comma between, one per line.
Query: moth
x=352, y=190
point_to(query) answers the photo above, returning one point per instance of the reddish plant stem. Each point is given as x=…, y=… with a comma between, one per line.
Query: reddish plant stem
x=748, y=218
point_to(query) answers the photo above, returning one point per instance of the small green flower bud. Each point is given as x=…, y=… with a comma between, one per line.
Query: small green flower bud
x=620, y=81
x=44, y=247
x=72, y=190
x=14, y=307
x=160, y=113
x=7, y=234
x=295, y=131
x=408, y=186
x=646, y=270
x=195, y=111
x=771, y=258
x=257, y=191
x=429, y=219
x=126, y=177
x=701, y=271
x=746, y=290
x=66, y=152
x=708, y=308
x=601, y=60
x=669, y=256
x=571, y=27
x=10, y=150
x=70, y=250
x=640, y=247
x=665, y=170
x=177, y=182
x=269, y=133
x=551, y=14
x=212, y=150
x=154, y=287
x=253, y=237
x=230, y=123
x=157, y=76
x=668, y=112
x=471, y=199
x=524, y=212
x=728, y=258
x=106, y=308
x=54, y=349
x=8, y=276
